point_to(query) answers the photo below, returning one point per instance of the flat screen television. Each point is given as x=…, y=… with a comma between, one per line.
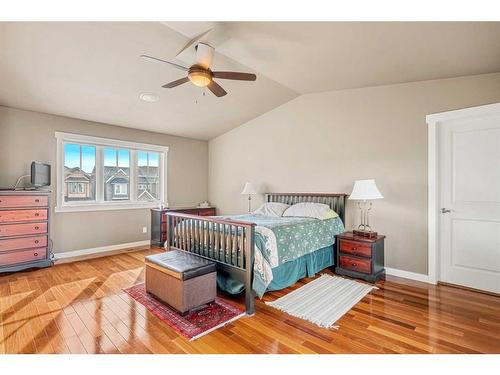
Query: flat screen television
x=40, y=174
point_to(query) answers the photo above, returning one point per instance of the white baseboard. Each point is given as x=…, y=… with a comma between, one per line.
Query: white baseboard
x=408, y=275
x=70, y=256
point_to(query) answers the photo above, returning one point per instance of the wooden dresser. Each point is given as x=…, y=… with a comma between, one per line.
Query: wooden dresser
x=158, y=221
x=24, y=229
x=360, y=257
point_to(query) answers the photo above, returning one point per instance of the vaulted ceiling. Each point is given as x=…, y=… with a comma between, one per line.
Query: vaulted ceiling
x=93, y=71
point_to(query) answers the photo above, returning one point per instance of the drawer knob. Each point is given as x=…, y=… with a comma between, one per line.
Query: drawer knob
x=353, y=264
x=355, y=248
x=36, y=254
x=37, y=200
x=36, y=241
x=37, y=214
x=37, y=227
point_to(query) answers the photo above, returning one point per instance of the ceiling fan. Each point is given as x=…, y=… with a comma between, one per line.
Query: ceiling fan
x=200, y=73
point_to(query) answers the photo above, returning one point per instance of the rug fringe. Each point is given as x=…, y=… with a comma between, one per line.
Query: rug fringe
x=217, y=327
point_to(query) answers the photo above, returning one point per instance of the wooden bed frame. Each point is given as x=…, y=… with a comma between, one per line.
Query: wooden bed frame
x=230, y=243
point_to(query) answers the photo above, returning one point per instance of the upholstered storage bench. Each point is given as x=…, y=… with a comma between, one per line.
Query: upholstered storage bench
x=181, y=280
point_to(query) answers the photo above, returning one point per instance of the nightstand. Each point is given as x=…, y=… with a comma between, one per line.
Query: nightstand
x=360, y=257
x=159, y=221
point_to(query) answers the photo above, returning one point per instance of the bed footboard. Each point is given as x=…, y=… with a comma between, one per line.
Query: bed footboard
x=229, y=243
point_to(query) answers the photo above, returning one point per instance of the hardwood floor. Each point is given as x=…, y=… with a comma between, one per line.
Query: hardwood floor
x=80, y=308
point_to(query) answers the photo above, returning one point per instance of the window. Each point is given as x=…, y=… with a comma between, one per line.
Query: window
x=79, y=172
x=98, y=173
x=116, y=173
x=147, y=175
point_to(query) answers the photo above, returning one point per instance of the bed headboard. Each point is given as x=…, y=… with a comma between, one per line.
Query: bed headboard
x=335, y=201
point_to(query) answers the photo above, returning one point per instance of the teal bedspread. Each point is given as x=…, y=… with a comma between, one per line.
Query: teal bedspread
x=279, y=241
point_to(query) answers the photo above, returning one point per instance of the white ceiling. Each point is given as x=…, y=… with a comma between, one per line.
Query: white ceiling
x=321, y=56
x=92, y=70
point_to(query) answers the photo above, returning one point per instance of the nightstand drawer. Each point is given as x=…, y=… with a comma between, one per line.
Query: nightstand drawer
x=355, y=264
x=356, y=248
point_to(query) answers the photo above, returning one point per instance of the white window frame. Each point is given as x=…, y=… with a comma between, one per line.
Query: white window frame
x=99, y=203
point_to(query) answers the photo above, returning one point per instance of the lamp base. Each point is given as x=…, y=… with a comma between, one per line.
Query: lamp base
x=365, y=233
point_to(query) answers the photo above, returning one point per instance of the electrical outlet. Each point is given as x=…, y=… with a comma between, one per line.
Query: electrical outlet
x=144, y=229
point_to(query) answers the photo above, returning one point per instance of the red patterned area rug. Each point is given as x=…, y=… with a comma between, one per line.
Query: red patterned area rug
x=193, y=325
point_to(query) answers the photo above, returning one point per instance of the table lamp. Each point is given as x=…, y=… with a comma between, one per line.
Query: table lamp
x=249, y=190
x=364, y=191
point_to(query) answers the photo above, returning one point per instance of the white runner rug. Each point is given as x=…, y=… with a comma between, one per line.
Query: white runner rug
x=324, y=300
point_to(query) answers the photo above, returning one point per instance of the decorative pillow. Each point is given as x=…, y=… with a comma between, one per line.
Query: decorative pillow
x=308, y=209
x=272, y=209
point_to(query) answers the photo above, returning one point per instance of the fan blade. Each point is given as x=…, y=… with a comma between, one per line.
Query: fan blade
x=216, y=89
x=176, y=83
x=235, y=75
x=155, y=59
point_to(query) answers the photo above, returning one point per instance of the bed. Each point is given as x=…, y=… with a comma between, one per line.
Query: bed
x=258, y=253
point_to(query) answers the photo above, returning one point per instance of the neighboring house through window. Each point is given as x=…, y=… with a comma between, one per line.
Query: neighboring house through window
x=100, y=173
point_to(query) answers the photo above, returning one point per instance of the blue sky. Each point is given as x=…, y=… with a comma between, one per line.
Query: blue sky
x=110, y=158
x=142, y=158
x=72, y=157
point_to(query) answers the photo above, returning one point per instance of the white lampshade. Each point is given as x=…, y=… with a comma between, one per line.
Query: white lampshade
x=364, y=190
x=249, y=189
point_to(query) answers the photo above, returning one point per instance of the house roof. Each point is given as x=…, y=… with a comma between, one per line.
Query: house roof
x=145, y=193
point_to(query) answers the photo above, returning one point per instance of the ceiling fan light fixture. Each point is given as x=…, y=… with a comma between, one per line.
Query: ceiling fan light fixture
x=199, y=77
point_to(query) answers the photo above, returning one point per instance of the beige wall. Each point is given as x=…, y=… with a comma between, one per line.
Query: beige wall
x=323, y=142
x=27, y=136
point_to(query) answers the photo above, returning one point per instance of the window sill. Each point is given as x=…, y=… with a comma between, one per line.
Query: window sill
x=105, y=207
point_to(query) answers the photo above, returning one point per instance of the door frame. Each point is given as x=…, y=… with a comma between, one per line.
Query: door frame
x=433, y=122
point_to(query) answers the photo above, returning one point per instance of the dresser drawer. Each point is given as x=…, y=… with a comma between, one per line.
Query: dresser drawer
x=355, y=248
x=355, y=264
x=206, y=212
x=24, y=201
x=7, y=230
x=22, y=215
x=23, y=256
x=22, y=243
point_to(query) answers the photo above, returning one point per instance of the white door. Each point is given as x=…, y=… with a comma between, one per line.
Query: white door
x=469, y=170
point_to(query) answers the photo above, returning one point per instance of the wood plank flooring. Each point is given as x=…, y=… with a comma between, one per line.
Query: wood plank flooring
x=80, y=308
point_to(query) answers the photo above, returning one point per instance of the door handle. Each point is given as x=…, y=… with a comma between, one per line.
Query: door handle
x=445, y=210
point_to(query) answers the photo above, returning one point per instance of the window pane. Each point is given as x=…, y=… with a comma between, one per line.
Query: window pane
x=116, y=174
x=123, y=158
x=153, y=159
x=79, y=172
x=142, y=158
x=109, y=157
x=148, y=176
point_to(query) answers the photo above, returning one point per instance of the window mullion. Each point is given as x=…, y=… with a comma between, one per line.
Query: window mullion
x=99, y=174
x=133, y=176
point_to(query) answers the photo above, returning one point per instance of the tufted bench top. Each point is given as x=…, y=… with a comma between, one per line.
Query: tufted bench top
x=185, y=265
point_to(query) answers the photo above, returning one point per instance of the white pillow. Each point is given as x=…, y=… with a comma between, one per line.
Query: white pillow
x=308, y=209
x=271, y=209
